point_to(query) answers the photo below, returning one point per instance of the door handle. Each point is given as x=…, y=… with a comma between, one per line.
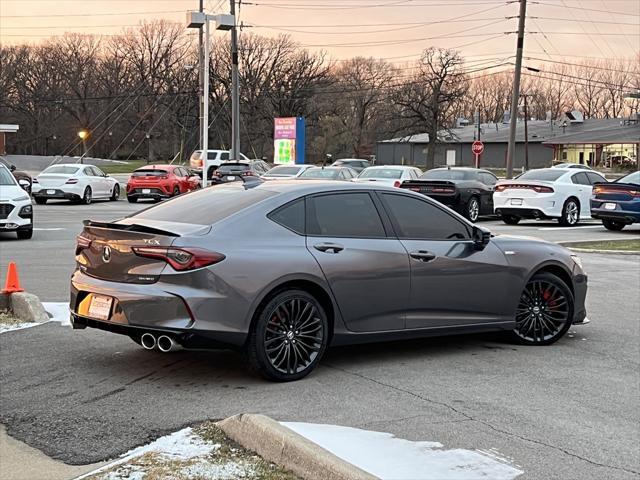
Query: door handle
x=329, y=247
x=423, y=255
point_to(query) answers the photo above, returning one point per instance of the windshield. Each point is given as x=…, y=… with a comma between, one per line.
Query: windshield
x=283, y=171
x=320, y=173
x=149, y=173
x=631, y=178
x=446, y=174
x=197, y=208
x=61, y=169
x=543, y=174
x=381, y=173
x=5, y=177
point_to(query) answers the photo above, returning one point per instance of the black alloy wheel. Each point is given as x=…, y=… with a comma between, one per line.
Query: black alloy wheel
x=613, y=225
x=289, y=337
x=176, y=191
x=86, y=198
x=472, y=210
x=570, y=213
x=545, y=310
x=116, y=193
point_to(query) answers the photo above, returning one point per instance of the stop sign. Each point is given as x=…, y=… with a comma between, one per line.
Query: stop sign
x=477, y=147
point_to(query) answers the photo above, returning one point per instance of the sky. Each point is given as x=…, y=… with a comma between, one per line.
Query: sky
x=396, y=30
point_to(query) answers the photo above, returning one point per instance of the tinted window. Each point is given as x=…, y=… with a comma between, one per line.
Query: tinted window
x=344, y=215
x=581, y=179
x=99, y=172
x=487, y=178
x=197, y=206
x=90, y=171
x=595, y=178
x=418, y=219
x=61, y=169
x=148, y=172
x=290, y=216
x=631, y=178
x=224, y=156
x=214, y=155
x=446, y=174
x=543, y=174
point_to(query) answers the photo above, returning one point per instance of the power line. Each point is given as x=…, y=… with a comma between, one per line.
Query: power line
x=626, y=14
x=393, y=4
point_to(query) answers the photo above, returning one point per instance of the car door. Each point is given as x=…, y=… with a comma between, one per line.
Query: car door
x=105, y=183
x=95, y=182
x=367, y=271
x=583, y=191
x=181, y=177
x=452, y=283
x=488, y=180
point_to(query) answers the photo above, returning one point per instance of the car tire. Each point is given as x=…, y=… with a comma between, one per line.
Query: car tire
x=570, y=213
x=289, y=337
x=613, y=225
x=86, y=197
x=176, y=191
x=472, y=210
x=25, y=234
x=40, y=201
x=510, y=219
x=131, y=199
x=545, y=311
x=115, y=195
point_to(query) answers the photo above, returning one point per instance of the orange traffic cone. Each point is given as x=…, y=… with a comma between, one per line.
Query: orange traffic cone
x=12, y=284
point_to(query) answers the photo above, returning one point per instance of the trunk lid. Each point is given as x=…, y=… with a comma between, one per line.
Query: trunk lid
x=431, y=187
x=53, y=180
x=107, y=251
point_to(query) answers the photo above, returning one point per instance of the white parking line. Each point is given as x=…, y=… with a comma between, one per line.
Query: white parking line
x=570, y=228
x=48, y=229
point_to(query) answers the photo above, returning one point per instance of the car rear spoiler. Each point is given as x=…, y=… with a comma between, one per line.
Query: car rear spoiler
x=132, y=227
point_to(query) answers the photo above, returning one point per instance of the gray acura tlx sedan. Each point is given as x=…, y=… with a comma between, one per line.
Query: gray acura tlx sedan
x=287, y=268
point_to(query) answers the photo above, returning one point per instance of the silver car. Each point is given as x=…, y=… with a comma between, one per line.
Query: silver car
x=287, y=268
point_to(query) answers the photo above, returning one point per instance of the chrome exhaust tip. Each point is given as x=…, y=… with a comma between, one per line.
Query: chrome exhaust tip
x=167, y=344
x=148, y=341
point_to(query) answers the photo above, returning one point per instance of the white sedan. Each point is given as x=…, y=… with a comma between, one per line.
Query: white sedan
x=560, y=193
x=16, y=212
x=75, y=182
x=392, y=175
x=285, y=171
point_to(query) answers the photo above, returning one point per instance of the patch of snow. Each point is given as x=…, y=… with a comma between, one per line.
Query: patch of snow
x=229, y=470
x=16, y=326
x=58, y=312
x=391, y=458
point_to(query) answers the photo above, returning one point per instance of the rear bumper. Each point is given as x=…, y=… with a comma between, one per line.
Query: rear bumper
x=156, y=193
x=57, y=194
x=158, y=307
x=530, y=207
x=523, y=212
x=621, y=214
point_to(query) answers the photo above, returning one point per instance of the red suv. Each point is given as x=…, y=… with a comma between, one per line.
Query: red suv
x=160, y=181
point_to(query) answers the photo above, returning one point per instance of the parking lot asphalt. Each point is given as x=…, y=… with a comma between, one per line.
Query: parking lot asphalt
x=566, y=411
x=46, y=261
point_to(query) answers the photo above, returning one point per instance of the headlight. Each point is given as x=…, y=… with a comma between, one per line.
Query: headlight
x=577, y=260
x=26, y=211
x=20, y=199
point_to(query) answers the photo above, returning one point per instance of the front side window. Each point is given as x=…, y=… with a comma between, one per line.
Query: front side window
x=595, y=178
x=6, y=178
x=344, y=215
x=419, y=220
x=99, y=172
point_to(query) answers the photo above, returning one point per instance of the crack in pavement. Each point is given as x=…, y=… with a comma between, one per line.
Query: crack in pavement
x=483, y=422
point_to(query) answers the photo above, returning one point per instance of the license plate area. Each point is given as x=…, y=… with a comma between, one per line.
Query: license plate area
x=609, y=206
x=516, y=201
x=231, y=177
x=100, y=307
x=51, y=192
x=146, y=190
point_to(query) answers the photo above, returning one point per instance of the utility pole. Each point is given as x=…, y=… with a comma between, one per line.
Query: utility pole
x=205, y=113
x=235, y=94
x=526, y=132
x=513, y=121
x=201, y=80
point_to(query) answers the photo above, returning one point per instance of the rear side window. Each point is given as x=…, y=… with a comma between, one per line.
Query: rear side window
x=419, y=220
x=581, y=179
x=206, y=206
x=344, y=215
x=595, y=178
x=290, y=216
x=224, y=156
x=487, y=178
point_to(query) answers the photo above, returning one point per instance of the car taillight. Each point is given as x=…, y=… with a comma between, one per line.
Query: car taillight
x=163, y=177
x=397, y=183
x=541, y=189
x=181, y=259
x=248, y=173
x=442, y=190
x=71, y=181
x=82, y=243
x=535, y=188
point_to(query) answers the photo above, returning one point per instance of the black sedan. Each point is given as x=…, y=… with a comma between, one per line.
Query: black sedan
x=468, y=191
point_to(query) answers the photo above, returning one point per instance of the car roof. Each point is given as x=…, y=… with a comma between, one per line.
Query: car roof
x=79, y=165
x=401, y=167
x=313, y=186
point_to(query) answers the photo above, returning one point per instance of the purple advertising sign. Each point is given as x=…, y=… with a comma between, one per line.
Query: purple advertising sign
x=284, y=128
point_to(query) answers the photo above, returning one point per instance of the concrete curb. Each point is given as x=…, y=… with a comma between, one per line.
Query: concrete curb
x=25, y=306
x=282, y=446
x=614, y=252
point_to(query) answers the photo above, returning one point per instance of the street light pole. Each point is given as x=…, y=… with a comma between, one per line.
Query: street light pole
x=515, y=96
x=200, y=77
x=235, y=87
x=205, y=112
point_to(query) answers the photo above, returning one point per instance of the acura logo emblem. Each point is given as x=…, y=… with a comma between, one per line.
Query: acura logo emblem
x=106, y=254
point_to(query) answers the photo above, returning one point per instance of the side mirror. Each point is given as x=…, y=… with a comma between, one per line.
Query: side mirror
x=481, y=237
x=12, y=168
